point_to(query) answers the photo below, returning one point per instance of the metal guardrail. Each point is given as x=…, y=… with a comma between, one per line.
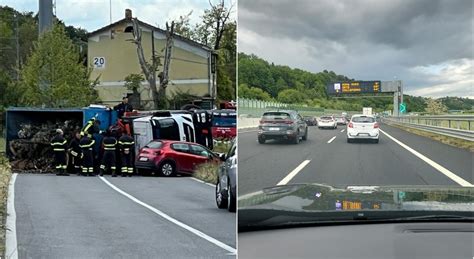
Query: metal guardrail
x=456, y=126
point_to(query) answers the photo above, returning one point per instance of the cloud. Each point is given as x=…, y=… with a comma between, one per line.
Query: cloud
x=94, y=14
x=365, y=39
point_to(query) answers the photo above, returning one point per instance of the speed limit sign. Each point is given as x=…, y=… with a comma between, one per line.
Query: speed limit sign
x=99, y=62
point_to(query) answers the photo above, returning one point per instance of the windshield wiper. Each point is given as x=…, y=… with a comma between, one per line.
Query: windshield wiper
x=264, y=219
x=435, y=218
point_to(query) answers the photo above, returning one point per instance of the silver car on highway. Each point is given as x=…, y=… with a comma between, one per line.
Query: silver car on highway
x=287, y=125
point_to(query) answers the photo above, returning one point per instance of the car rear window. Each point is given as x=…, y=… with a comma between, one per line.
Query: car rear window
x=276, y=116
x=363, y=119
x=326, y=118
x=154, y=144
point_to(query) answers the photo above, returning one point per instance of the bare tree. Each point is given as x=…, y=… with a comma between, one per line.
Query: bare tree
x=217, y=19
x=164, y=75
x=149, y=70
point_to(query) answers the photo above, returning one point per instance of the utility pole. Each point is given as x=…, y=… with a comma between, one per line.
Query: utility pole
x=17, y=49
x=153, y=57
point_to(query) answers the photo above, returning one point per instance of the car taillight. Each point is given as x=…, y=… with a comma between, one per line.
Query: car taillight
x=376, y=125
x=288, y=122
x=351, y=125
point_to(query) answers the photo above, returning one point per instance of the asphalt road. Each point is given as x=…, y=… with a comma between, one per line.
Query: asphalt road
x=83, y=217
x=342, y=163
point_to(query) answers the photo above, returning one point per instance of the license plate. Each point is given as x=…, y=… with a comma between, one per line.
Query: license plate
x=274, y=129
x=143, y=159
x=363, y=134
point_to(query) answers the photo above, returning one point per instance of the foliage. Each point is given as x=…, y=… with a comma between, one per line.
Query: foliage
x=435, y=107
x=53, y=75
x=217, y=31
x=253, y=93
x=291, y=96
x=133, y=81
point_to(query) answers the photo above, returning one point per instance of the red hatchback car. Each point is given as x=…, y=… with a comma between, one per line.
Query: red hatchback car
x=169, y=157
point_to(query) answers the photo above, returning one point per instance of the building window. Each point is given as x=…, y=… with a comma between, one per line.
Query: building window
x=129, y=29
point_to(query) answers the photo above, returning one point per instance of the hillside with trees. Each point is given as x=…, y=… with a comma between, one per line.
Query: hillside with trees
x=259, y=79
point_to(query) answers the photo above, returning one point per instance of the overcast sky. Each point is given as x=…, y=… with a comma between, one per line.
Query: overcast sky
x=426, y=43
x=94, y=14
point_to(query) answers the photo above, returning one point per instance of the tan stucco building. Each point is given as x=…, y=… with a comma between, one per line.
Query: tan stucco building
x=112, y=56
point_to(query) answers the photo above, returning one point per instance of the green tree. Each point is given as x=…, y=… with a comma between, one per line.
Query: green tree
x=253, y=93
x=291, y=96
x=435, y=106
x=134, y=82
x=54, y=76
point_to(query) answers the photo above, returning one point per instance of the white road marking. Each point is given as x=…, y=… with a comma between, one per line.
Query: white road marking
x=343, y=130
x=11, y=246
x=172, y=220
x=432, y=163
x=333, y=138
x=293, y=173
x=201, y=181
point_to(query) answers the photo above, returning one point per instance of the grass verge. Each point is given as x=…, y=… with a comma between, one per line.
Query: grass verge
x=2, y=145
x=459, y=143
x=222, y=147
x=5, y=174
x=207, y=172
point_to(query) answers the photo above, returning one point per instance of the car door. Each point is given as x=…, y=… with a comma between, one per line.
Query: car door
x=200, y=155
x=182, y=156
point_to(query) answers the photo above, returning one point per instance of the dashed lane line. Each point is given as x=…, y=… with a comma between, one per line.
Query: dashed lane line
x=331, y=140
x=293, y=173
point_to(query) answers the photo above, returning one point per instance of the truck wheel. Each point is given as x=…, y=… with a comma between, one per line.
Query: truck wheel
x=349, y=140
x=261, y=140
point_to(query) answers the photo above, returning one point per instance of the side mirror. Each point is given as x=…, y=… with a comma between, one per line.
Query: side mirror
x=222, y=157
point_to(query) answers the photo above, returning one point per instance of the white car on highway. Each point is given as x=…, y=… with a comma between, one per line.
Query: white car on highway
x=327, y=122
x=363, y=127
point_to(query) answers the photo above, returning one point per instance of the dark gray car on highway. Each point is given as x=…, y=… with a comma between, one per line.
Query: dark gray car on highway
x=285, y=125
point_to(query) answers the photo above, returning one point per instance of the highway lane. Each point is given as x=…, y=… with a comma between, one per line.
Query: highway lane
x=339, y=162
x=83, y=217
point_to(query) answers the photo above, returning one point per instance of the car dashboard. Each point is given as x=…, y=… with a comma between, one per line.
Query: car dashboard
x=396, y=240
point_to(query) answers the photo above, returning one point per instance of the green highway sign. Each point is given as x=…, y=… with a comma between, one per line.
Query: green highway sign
x=403, y=108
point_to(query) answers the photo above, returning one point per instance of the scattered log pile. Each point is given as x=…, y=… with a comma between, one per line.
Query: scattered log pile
x=32, y=151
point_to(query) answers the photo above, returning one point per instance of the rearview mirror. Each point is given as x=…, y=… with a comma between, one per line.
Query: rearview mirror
x=222, y=157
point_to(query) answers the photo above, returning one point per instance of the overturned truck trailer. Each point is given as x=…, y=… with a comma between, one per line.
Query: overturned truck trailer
x=29, y=131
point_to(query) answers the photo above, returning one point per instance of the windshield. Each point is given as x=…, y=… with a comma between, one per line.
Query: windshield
x=154, y=145
x=224, y=121
x=326, y=118
x=276, y=116
x=363, y=119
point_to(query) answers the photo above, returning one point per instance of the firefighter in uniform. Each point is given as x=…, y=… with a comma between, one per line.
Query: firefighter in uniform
x=108, y=159
x=91, y=127
x=86, y=144
x=75, y=151
x=126, y=145
x=59, y=147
